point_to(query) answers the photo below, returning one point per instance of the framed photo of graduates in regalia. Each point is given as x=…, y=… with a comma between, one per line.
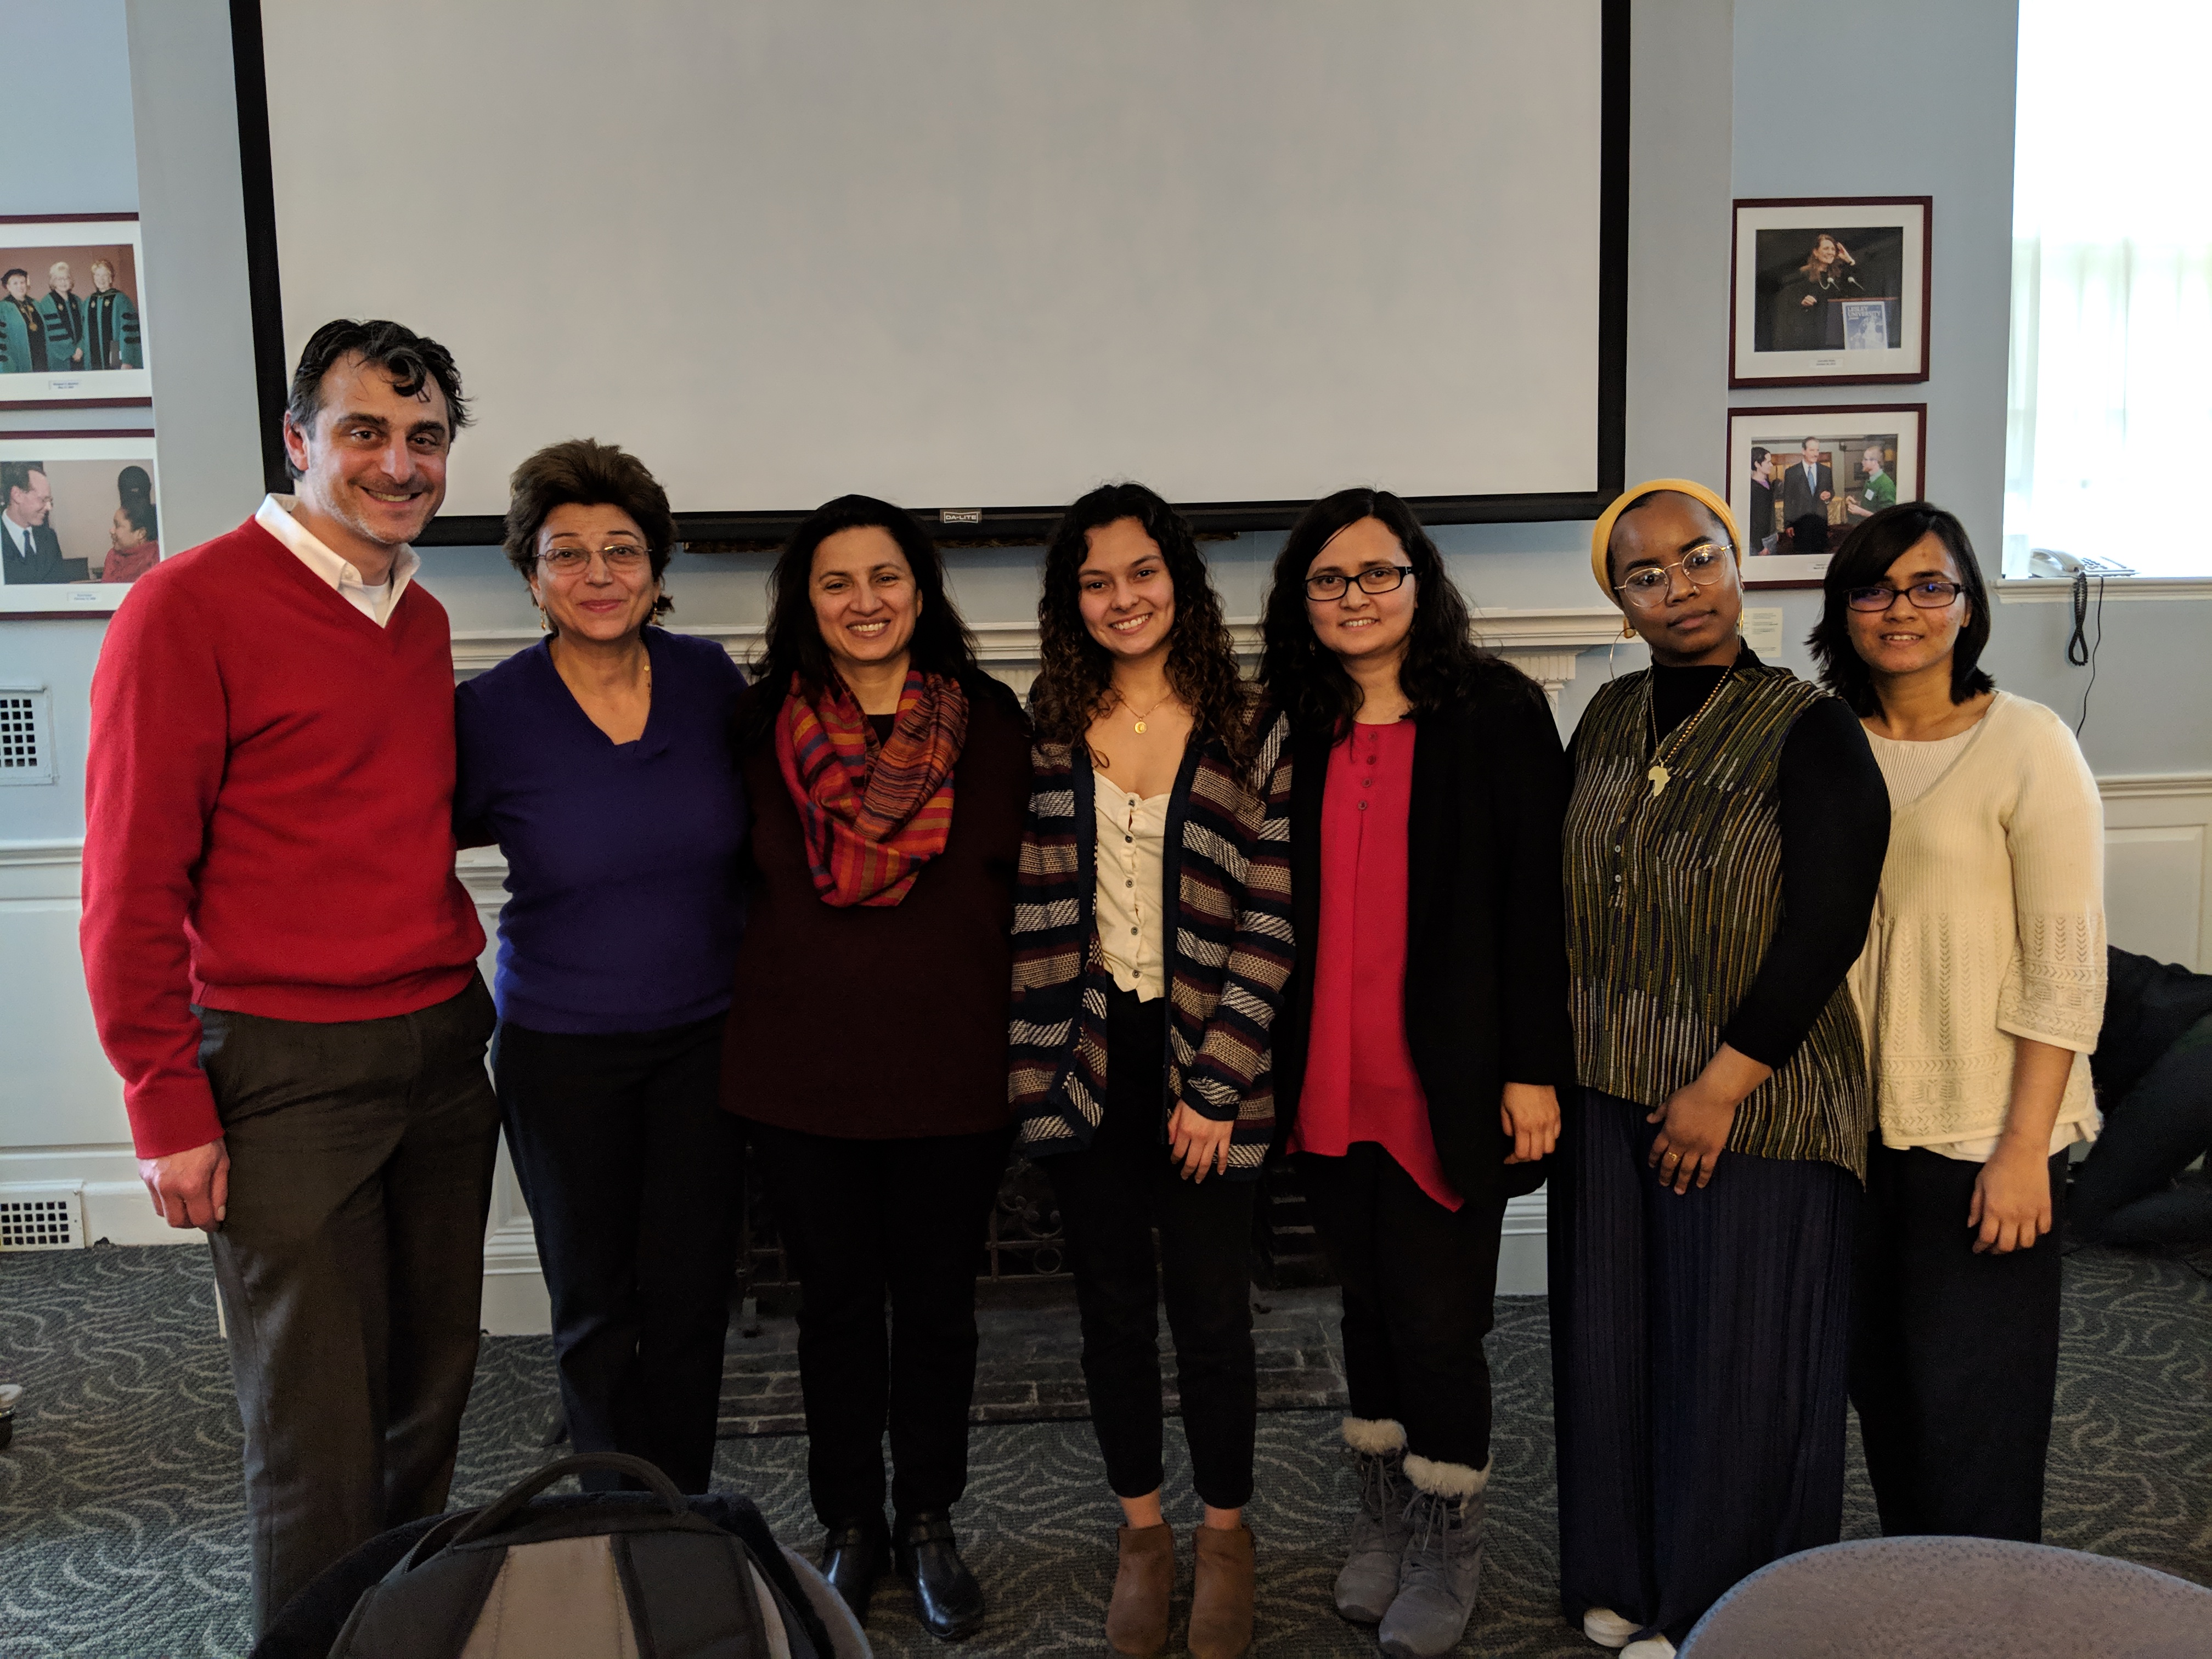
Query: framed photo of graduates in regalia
x=1829, y=291
x=80, y=520
x=72, y=311
x=1801, y=479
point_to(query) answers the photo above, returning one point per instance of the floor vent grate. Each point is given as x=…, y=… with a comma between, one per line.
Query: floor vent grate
x=42, y=1218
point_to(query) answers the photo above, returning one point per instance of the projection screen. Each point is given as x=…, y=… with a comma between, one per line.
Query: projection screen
x=969, y=254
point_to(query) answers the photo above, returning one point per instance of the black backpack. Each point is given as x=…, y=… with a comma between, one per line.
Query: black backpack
x=622, y=1575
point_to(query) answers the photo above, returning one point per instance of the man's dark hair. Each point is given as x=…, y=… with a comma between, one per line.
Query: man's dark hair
x=1815, y=442
x=409, y=359
x=140, y=512
x=14, y=271
x=794, y=646
x=17, y=475
x=585, y=472
x=1758, y=453
x=1305, y=679
x=1863, y=560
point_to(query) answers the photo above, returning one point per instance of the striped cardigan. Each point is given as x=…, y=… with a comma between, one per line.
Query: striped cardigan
x=1227, y=862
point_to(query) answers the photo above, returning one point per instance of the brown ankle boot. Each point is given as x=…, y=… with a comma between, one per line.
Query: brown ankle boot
x=1221, y=1600
x=1137, y=1617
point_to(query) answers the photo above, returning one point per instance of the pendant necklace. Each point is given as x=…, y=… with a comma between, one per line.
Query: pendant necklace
x=1141, y=718
x=1659, y=775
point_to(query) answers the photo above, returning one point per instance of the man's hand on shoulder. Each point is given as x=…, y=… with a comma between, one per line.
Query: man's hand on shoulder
x=190, y=1189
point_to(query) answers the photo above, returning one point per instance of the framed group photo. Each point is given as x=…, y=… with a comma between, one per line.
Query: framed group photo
x=1800, y=478
x=72, y=311
x=79, y=520
x=1829, y=292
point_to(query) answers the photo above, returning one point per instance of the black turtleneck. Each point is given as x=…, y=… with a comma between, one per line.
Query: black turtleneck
x=1835, y=834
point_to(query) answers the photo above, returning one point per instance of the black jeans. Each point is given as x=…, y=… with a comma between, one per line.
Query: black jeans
x=862, y=1219
x=351, y=1267
x=1954, y=1356
x=1112, y=1195
x=632, y=1170
x=1417, y=1281
x=2125, y=1192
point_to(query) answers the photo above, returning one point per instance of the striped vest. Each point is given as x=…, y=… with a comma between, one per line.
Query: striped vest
x=1672, y=901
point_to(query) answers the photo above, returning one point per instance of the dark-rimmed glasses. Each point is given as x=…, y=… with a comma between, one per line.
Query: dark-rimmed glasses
x=1879, y=596
x=1375, y=578
x=1648, y=584
x=625, y=556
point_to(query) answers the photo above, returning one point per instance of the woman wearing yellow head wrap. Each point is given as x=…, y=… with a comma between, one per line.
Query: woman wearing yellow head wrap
x=1722, y=852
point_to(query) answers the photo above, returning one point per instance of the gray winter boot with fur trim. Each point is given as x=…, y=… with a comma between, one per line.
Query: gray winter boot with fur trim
x=1369, y=1579
x=1442, y=1567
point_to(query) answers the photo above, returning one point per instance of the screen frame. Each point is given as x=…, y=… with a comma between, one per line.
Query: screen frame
x=969, y=523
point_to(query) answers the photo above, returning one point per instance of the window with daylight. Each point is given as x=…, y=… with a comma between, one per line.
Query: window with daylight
x=2110, y=415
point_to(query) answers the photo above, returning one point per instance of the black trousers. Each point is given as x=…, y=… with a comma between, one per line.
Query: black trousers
x=351, y=1267
x=1698, y=1348
x=632, y=1170
x=862, y=1220
x=1417, y=1281
x=1112, y=1195
x=1954, y=1356
x=2125, y=1192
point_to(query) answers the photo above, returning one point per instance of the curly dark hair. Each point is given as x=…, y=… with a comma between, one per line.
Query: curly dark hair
x=1306, y=680
x=1864, y=559
x=793, y=645
x=410, y=359
x=585, y=472
x=1073, y=684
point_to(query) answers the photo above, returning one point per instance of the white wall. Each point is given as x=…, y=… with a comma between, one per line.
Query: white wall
x=1717, y=113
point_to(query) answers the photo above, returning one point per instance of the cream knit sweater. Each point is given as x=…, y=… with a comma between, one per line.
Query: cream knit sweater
x=1990, y=927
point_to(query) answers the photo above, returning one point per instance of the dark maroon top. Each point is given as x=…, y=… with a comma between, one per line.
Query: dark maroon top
x=883, y=1023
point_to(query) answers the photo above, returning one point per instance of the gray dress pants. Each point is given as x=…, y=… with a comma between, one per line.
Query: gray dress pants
x=351, y=1267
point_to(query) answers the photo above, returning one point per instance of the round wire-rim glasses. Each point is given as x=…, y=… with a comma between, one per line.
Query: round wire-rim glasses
x=1932, y=595
x=1374, y=579
x=625, y=556
x=1648, y=584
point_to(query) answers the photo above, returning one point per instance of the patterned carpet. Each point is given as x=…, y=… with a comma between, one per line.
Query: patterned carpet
x=121, y=1532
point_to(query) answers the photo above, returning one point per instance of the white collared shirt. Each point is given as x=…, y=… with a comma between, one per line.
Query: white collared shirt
x=375, y=603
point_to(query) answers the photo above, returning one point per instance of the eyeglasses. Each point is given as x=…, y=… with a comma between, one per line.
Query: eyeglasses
x=624, y=556
x=1648, y=584
x=1879, y=596
x=1375, y=578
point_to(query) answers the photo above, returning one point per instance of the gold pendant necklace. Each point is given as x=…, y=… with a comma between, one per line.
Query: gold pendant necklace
x=1141, y=718
x=1659, y=775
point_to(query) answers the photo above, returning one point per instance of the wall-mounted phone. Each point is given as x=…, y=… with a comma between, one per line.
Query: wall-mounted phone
x=2049, y=561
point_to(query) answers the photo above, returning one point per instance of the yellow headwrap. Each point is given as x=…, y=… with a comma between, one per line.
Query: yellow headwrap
x=1601, y=532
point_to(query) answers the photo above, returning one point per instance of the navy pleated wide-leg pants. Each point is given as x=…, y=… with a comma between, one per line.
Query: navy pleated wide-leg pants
x=1698, y=1352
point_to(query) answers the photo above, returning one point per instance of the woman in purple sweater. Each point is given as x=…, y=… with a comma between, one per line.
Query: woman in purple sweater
x=599, y=761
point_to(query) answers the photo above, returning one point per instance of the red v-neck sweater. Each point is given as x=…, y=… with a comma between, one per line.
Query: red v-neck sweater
x=268, y=817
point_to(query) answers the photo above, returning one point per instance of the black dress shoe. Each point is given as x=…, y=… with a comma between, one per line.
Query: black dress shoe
x=853, y=1556
x=949, y=1600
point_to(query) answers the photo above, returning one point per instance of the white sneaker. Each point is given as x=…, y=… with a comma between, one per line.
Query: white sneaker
x=1609, y=1629
x=1651, y=1647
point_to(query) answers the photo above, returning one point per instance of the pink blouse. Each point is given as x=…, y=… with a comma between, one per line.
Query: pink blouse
x=1359, y=1081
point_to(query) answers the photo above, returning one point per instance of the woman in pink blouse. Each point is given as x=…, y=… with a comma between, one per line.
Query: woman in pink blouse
x=1425, y=1031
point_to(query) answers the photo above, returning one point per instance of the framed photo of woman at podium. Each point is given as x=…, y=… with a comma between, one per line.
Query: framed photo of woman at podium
x=1829, y=292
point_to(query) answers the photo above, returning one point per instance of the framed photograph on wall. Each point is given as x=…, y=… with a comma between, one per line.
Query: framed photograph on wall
x=1799, y=479
x=72, y=311
x=1831, y=291
x=79, y=520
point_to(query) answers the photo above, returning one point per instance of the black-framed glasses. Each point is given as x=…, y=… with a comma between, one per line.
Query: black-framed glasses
x=1375, y=578
x=1879, y=596
x=1648, y=584
x=625, y=556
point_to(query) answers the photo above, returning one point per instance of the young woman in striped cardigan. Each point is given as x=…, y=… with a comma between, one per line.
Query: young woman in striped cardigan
x=1152, y=936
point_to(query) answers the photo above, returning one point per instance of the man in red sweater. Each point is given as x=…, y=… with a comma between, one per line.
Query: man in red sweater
x=282, y=963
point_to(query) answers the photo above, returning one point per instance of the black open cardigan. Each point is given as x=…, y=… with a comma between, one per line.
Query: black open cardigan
x=1485, y=933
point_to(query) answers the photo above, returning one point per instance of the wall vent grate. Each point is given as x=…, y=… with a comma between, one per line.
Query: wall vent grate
x=26, y=742
x=42, y=1218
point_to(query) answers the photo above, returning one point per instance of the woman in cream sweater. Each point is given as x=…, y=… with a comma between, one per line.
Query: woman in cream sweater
x=1981, y=991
